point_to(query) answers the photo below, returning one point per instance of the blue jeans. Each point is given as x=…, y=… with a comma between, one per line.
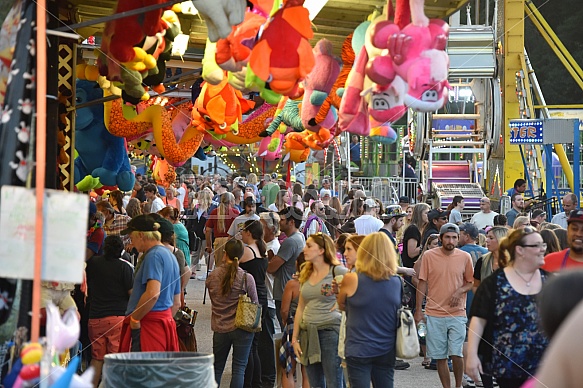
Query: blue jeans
x=380, y=370
x=241, y=341
x=328, y=372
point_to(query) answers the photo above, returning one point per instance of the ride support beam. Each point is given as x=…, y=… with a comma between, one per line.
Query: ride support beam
x=513, y=48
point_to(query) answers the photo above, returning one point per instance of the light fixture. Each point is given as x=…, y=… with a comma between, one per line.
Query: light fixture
x=314, y=7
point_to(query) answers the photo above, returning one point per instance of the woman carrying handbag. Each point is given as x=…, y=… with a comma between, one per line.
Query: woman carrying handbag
x=225, y=284
x=371, y=331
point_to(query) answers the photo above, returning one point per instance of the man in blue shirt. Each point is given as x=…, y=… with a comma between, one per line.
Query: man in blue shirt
x=517, y=208
x=155, y=296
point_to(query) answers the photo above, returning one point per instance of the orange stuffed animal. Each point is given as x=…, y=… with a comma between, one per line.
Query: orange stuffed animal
x=160, y=120
x=283, y=56
x=218, y=108
x=234, y=51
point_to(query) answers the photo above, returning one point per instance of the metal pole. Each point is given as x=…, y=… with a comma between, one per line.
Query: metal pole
x=333, y=171
x=348, y=160
x=577, y=161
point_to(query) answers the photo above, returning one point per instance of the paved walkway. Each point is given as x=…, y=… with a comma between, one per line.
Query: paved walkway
x=414, y=377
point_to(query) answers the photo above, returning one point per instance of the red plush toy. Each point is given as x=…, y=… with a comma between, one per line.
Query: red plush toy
x=129, y=31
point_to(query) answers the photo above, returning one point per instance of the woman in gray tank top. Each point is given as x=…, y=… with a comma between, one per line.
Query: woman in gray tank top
x=317, y=321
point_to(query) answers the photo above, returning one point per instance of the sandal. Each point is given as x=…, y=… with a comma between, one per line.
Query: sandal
x=426, y=363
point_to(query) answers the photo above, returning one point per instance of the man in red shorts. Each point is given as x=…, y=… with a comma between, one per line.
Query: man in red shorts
x=573, y=256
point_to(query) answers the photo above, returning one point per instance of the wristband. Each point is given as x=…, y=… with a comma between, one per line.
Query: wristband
x=133, y=320
x=295, y=341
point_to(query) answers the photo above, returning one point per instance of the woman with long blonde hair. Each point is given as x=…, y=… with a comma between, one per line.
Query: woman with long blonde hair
x=317, y=323
x=225, y=284
x=218, y=225
x=370, y=346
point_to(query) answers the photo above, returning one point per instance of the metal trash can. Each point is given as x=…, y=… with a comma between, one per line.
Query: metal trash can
x=158, y=369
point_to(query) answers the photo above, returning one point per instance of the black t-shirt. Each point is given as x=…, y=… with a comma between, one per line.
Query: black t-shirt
x=141, y=195
x=428, y=232
x=412, y=232
x=332, y=221
x=108, y=283
x=257, y=267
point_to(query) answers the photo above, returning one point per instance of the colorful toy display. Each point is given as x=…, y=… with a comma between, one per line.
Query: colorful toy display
x=102, y=156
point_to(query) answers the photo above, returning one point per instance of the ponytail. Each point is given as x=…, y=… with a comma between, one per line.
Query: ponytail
x=229, y=279
x=504, y=253
x=233, y=250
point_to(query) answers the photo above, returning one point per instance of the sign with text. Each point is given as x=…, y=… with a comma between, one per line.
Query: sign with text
x=64, y=240
x=526, y=131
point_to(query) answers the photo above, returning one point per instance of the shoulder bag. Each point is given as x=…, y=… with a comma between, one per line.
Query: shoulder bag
x=407, y=341
x=248, y=315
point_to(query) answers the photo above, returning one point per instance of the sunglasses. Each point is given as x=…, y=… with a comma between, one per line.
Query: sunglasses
x=538, y=246
x=443, y=218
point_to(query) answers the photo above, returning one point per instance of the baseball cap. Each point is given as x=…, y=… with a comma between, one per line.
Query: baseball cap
x=437, y=213
x=224, y=183
x=575, y=216
x=325, y=192
x=404, y=199
x=370, y=203
x=470, y=229
x=166, y=228
x=538, y=213
x=449, y=227
x=141, y=223
x=391, y=212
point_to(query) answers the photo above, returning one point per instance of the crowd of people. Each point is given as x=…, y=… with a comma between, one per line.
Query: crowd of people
x=318, y=265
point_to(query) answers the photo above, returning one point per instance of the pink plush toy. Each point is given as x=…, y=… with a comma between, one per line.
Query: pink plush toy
x=270, y=147
x=317, y=86
x=385, y=103
x=416, y=54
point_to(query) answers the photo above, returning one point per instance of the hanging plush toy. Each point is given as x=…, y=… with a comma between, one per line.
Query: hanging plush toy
x=318, y=85
x=288, y=113
x=220, y=16
x=158, y=120
x=233, y=52
x=283, y=55
x=253, y=125
x=102, y=156
x=362, y=98
x=417, y=55
x=219, y=109
x=335, y=96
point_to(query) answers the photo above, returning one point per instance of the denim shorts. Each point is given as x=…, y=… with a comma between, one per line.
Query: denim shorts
x=445, y=336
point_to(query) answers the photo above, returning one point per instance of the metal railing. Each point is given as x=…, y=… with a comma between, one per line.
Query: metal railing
x=386, y=189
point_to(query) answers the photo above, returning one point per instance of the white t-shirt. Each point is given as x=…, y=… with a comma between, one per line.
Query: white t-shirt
x=157, y=205
x=273, y=246
x=239, y=223
x=272, y=207
x=560, y=219
x=367, y=224
x=181, y=193
x=481, y=220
